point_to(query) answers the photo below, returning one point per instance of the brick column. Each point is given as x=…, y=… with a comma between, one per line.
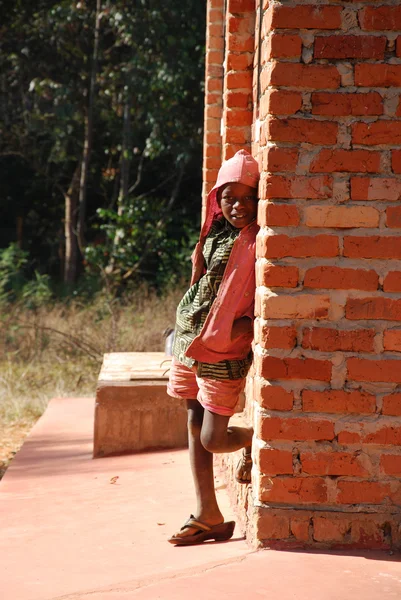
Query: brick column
x=230, y=39
x=328, y=303
x=214, y=73
x=238, y=72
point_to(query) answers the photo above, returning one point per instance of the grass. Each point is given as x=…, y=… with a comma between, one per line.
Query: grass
x=57, y=350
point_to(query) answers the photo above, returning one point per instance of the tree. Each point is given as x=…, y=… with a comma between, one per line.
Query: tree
x=103, y=104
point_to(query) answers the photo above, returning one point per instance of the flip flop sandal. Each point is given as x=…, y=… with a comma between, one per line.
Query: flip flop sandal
x=219, y=533
x=244, y=467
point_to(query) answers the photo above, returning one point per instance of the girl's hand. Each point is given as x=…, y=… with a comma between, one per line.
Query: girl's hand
x=194, y=368
x=242, y=326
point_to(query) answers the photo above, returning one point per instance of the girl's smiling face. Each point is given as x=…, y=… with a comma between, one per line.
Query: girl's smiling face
x=239, y=204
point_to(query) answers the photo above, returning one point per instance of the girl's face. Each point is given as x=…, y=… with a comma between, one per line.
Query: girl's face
x=239, y=204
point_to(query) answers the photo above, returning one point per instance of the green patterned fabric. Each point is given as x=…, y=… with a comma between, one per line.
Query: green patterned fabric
x=196, y=303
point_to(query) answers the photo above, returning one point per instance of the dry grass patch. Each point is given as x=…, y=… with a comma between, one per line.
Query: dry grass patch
x=57, y=351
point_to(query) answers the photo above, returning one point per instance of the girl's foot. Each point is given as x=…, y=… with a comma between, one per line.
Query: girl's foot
x=190, y=527
x=196, y=532
x=244, y=467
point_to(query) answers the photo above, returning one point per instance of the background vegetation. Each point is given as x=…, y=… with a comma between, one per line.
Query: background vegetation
x=101, y=112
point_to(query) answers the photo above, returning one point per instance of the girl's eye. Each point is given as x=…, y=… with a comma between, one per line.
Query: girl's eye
x=234, y=199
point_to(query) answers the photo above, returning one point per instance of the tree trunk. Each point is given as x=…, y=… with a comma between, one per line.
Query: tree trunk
x=126, y=151
x=88, y=135
x=70, y=233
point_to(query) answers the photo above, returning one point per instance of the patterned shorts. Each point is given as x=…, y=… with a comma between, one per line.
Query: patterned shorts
x=217, y=396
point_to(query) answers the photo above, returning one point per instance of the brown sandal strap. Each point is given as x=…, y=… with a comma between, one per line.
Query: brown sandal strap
x=192, y=522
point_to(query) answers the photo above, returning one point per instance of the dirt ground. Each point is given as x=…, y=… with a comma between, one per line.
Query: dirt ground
x=11, y=439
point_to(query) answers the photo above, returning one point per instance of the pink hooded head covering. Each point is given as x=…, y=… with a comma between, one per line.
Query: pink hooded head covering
x=241, y=168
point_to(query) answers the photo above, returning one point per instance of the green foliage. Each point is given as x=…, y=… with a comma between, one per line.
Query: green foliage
x=152, y=55
x=142, y=244
x=14, y=284
x=13, y=261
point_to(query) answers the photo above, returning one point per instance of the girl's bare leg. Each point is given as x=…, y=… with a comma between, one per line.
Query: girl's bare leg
x=201, y=460
x=217, y=437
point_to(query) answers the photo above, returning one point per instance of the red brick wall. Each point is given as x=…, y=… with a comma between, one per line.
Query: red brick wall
x=328, y=303
x=323, y=84
x=228, y=83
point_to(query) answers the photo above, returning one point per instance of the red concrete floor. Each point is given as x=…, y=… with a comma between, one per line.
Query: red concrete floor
x=74, y=528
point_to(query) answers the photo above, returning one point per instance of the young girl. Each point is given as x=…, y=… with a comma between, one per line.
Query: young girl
x=213, y=337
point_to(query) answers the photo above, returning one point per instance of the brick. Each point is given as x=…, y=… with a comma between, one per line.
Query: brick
x=300, y=528
x=238, y=100
x=212, y=162
x=214, y=151
x=282, y=45
x=372, y=247
x=307, y=16
x=352, y=161
x=360, y=369
x=297, y=186
x=373, y=308
x=293, y=490
x=392, y=405
x=392, y=340
x=269, y=526
x=295, y=429
x=393, y=216
x=341, y=216
x=325, y=339
x=238, y=118
x=239, y=25
x=275, y=337
x=382, y=18
x=378, y=188
x=215, y=58
x=330, y=529
x=240, y=42
x=239, y=62
x=279, y=159
x=279, y=246
x=299, y=306
x=296, y=368
x=379, y=132
x=338, y=401
x=302, y=130
x=241, y=6
x=239, y=80
x=392, y=282
x=396, y=161
x=276, y=275
x=362, y=492
x=370, y=532
x=347, y=104
x=378, y=75
x=280, y=215
x=391, y=464
x=235, y=136
x=348, y=437
x=314, y=77
x=213, y=111
x=280, y=102
x=275, y=462
x=273, y=397
x=212, y=124
x=215, y=37
x=350, y=46
x=214, y=84
x=341, y=279
x=332, y=463
x=384, y=435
